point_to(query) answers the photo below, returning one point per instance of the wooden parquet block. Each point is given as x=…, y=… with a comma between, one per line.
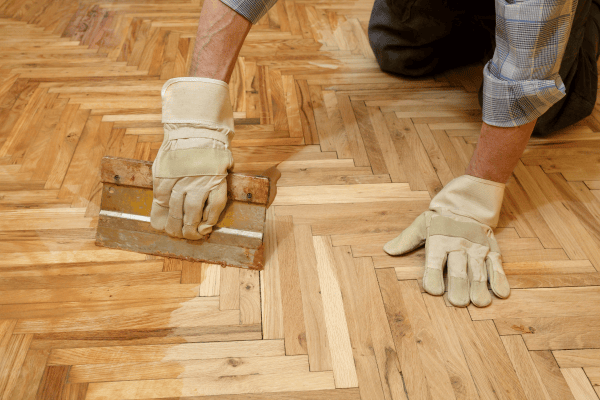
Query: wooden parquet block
x=361, y=154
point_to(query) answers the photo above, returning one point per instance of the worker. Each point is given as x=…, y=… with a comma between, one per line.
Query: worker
x=541, y=75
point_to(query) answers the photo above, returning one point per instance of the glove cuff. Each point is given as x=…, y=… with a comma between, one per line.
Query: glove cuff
x=471, y=197
x=192, y=162
x=202, y=104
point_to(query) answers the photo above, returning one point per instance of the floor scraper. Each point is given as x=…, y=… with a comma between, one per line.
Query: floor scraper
x=236, y=241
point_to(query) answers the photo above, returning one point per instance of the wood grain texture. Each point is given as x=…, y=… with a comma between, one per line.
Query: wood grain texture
x=579, y=383
x=291, y=296
x=249, y=297
x=383, y=343
x=30, y=375
x=335, y=319
x=209, y=386
x=360, y=152
x=402, y=332
x=319, y=353
x=551, y=375
x=524, y=367
x=270, y=284
x=491, y=367
x=336, y=394
x=577, y=358
x=447, y=337
x=357, y=307
x=187, y=369
x=53, y=382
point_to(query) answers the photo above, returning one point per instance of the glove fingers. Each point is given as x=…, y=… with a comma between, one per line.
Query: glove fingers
x=217, y=199
x=175, y=218
x=435, y=260
x=412, y=237
x=458, y=281
x=498, y=281
x=480, y=295
x=192, y=214
x=160, y=202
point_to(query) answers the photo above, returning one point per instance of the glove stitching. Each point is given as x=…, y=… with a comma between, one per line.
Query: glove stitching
x=485, y=181
x=192, y=79
x=194, y=123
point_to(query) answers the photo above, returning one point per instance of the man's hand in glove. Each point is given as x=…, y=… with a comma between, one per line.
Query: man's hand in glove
x=190, y=170
x=457, y=231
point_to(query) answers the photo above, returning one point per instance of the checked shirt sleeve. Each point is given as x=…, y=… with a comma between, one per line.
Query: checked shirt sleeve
x=252, y=10
x=521, y=82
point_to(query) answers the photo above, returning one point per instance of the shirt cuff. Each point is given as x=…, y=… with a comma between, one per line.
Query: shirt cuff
x=514, y=103
x=521, y=82
x=252, y=10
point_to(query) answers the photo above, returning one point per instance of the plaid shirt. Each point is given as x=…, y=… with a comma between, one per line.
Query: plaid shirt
x=252, y=10
x=521, y=81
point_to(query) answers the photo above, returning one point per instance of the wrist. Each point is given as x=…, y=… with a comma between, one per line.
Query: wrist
x=194, y=108
x=498, y=151
x=471, y=197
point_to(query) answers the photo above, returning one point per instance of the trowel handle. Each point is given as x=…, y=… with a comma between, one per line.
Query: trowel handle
x=240, y=187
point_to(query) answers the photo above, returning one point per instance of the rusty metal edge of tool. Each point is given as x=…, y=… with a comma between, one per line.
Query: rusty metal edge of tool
x=255, y=257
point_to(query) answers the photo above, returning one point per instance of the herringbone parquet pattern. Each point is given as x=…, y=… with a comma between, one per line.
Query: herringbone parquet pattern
x=331, y=316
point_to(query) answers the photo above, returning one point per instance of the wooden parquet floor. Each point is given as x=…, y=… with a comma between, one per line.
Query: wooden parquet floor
x=331, y=316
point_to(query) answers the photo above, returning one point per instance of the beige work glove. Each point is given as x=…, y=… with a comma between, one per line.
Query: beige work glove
x=457, y=231
x=190, y=170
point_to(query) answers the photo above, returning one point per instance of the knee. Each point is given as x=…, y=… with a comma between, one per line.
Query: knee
x=405, y=46
x=391, y=52
x=401, y=61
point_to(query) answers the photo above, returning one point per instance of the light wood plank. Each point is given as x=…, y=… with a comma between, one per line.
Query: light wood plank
x=163, y=353
x=319, y=355
x=553, y=333
x=249, y=285
x=555, y=302
x=577, y=358
x=346, y=194
x=413, y=371
x=490, y=366
x=525, y=368
x=210, y=285
x=447, y=337
x=383, y=344
x=331, y=394
x=30, y=375
x=270, y=283
x=229, y=293
x=187, y=313
x=209, y=386
x=13, y=358
x=579, y=384
x=429, y=349
x=337, y=331
x=291, y=297
x=356, y=308
x=98, y=293
x=188, y=369
x=551, y=376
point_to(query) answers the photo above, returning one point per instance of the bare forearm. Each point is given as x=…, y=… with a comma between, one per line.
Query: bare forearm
x=498, y=151
x=221, y=33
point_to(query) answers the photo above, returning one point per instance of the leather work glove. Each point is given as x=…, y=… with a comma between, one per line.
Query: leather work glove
x=190, y=170
x=457, y=231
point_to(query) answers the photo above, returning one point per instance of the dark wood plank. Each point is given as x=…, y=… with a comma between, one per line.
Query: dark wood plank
x=53, y=382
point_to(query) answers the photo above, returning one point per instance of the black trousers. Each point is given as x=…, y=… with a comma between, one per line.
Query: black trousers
x=421, y=37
